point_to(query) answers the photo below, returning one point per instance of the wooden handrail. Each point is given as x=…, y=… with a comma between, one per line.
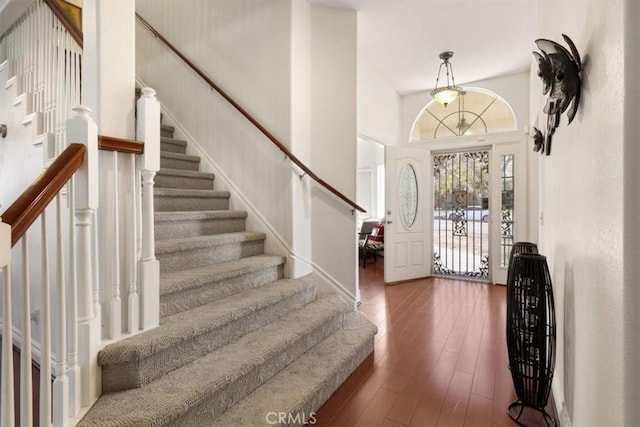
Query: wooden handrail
x=75, y=32
x=249, y=117
x=121, y=145
x=32, y=202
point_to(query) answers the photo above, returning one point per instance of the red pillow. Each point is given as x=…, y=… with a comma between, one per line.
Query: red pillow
x=377, y=233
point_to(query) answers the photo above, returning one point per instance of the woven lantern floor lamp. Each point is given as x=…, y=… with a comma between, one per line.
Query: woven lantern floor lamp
x=531, y=334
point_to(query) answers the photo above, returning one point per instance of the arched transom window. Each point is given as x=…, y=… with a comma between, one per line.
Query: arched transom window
x=475, y=111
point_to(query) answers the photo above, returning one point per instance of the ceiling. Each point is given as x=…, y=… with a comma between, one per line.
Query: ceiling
x=402, y=39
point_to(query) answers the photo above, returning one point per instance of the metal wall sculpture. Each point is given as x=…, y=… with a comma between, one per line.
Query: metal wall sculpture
x=560, y=71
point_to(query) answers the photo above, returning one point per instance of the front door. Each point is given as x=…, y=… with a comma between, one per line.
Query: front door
x=407, y=240
x=461, y=214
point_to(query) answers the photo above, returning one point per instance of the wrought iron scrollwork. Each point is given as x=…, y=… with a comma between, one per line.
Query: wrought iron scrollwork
x=483, y=270
x=507, y=224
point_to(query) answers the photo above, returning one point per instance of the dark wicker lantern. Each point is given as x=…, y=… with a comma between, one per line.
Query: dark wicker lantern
x=531, y=333
x=520, y=248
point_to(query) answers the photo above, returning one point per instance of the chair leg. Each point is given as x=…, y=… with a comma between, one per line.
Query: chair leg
x=364, y=258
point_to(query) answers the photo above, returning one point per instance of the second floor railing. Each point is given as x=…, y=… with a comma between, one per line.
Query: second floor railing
x=43, y=53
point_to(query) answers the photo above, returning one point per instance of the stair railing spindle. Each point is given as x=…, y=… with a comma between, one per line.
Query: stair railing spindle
x=61, y=385
x=6, y=405
x=134, y=299
x=26, y=377
x=45, y=335
x=73, y=368
x=115, y=308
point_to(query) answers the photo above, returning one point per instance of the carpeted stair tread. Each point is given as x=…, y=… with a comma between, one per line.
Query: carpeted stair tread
x=197, y=242
x=176, y=281
x=194, y=215
x=166, y=129
x=214, y=382
x=184, y=326
x=183, y=192
x=179, y=156
x=179, y=161
x=185, y=179
x=177, y=199
x=184, y=290
x=304, y=386
x=182, y=338
x=186, y=173
x=173, y=145
x=174, y=224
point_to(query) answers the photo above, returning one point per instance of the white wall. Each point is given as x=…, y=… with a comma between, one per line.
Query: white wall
x=378, y=106
x=333, y=140
x=588, y=213
x=514, y=88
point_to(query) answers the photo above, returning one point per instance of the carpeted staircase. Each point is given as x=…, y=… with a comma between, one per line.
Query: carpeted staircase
x=236, y=342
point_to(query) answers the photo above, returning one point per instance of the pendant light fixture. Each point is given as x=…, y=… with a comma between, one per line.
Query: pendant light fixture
x=446, y=94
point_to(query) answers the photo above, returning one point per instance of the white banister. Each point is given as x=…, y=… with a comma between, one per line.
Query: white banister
x=115, y=307
x=60, y=385
x=148, y=131
x=82, y=129
x=7, y=413
x=45, y=356
x=134, y=299
x=74, y=369
x=26, y=377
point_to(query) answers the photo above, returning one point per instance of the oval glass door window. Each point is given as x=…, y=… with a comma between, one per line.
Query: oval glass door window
x=408, y=196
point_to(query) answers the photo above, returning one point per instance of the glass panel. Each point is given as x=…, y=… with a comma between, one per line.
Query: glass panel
x=476, y=111
x=408, y=196
x=506, y=225
x=461, y=214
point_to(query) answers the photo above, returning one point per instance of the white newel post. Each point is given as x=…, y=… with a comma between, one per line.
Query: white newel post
x=148, y=131
x=6, y=406
x=82, y=129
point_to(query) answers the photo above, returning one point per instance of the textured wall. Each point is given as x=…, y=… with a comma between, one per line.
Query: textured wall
x=581, y=203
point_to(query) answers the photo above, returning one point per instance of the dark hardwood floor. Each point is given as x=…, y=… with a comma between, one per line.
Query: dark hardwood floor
x=440, y=358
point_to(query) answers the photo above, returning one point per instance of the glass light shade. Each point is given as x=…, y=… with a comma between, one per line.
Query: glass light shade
x=445, y=95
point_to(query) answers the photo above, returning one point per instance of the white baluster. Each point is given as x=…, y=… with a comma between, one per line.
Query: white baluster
x=61, y=385
x=80, y=128
x=134, y=299
x=148, y=131
x=115, y=309
x=6, y=406
x=74, y=369
x=26, y=379
x=45, y=358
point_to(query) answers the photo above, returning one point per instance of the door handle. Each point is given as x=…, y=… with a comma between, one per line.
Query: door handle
x=388, y=222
